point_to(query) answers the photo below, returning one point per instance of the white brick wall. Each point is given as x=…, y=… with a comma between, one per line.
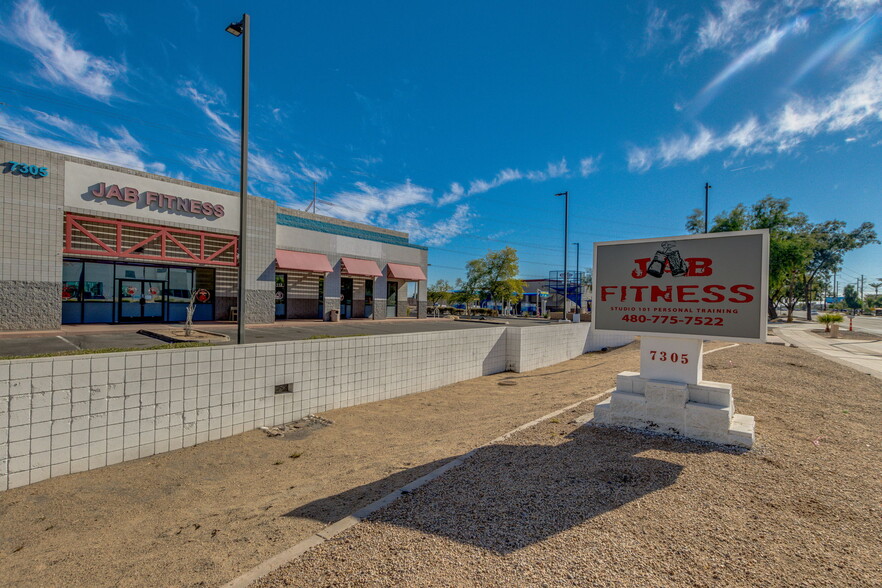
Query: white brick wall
x=535, y=347
x=71, y=414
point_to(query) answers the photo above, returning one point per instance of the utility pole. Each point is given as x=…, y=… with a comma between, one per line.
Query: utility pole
x=835, y=287
x=566, y=196
x=707, y=187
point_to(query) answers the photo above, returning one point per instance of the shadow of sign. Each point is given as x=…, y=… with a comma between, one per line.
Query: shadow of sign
x=506, y=497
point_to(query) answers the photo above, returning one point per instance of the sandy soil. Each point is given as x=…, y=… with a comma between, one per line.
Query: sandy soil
x=846, y=334
x=585, y=506
x=205, y=514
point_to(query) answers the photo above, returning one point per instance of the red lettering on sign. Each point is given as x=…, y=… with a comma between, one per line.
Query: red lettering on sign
x=661, y=293
x=130, y=194
x=699, y=266
x=642, y=265
x=717, y=297
x=113, y=192
x=684, y=291
x=745, y=297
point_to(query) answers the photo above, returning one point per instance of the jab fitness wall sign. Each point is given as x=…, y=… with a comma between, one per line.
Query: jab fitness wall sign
x=110, y=193
x=709, y=286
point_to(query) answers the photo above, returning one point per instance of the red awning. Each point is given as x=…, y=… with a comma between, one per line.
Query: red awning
x=361, y=267
x=305, y=262
x=400, y=271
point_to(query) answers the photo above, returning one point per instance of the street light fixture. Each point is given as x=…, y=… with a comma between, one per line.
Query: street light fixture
x=242, y=29
x=566, y=196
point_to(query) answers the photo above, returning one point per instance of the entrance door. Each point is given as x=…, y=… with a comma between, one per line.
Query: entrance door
x=391, y=299
x=346, y=298
x=141, y=300
x=281, y=295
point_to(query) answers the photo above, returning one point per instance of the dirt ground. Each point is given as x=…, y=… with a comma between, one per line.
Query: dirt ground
x=562, y=505
x=203, y=515
x=846, y=334
x=555, y=504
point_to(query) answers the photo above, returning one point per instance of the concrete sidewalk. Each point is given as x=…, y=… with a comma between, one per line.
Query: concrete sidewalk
x=864, y=356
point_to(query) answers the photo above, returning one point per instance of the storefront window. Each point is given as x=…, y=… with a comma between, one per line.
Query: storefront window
x=98, y=293
x=130, y=272
x=180, y=285
x=71, y=292
x=156, y=273
x=368, y=291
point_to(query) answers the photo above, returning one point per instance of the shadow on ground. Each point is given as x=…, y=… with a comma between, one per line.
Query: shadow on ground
x=507, y=497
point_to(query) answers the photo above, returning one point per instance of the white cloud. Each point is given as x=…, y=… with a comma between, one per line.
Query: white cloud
x=210, y=102
x=589, y=165
x=798, y=120
x=116, y=23
x=31, y=28
x=454, y=194
x=661, y=29
x=309, y=172
x=368, y=203
x=437, y=233
x=722, y=28
x=479, y=186
x=56, y=133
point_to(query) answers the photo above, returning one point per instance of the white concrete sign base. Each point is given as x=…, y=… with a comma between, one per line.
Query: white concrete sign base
x=669, y=396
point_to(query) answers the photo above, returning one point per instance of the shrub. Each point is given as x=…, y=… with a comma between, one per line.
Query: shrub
x=828, y=319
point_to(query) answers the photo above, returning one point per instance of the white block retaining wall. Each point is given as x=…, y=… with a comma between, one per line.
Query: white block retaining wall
x=71, y=414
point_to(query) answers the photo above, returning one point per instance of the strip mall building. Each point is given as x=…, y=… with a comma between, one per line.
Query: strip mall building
x=87, y=242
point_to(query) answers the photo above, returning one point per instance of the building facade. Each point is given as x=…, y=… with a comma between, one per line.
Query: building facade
x=88, y=242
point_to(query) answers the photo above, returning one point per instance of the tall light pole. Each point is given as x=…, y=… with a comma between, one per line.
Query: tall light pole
x=243, y=29
x=566, y=196
x=578, y=275
x=707, y=187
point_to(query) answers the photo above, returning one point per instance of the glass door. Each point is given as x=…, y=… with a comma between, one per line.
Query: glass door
x=346, y=298
x=141, y=300
x=391, y=299
x=281, y=295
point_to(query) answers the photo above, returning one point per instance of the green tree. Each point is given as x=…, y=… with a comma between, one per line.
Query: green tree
x=875, y=286
x=852, y=300
x=438, y=292
x=465, y=292
x=799, y=251
x=789, y=249
x=494, y=276
x=830, y=241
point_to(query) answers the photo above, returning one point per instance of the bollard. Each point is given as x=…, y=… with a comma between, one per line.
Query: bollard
x=849, y=323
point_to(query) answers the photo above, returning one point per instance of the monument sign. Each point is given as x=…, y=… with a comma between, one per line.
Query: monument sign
x=677, y=292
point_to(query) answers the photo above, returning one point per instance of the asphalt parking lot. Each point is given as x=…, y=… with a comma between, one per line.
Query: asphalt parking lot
x=94, y=337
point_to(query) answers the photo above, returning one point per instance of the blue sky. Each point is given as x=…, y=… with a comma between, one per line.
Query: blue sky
x=459, y=121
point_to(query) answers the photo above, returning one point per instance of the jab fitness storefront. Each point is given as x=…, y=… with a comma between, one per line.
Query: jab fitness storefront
x=86, y=242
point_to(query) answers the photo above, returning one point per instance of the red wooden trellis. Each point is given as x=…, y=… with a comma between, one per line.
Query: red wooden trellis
x=166, y=236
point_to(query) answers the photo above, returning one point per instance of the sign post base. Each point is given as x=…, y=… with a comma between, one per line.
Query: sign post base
x=668, y=395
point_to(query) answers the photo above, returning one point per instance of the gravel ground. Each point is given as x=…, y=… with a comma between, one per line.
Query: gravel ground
x=560, y=504
x=205, y=514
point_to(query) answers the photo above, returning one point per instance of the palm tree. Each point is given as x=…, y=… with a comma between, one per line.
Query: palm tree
x=876, y=285
x=828, y=319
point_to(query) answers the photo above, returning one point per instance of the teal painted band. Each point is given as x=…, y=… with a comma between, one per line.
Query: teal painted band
x=286, y=220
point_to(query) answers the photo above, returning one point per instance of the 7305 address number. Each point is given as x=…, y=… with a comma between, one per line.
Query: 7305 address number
x=671, y=357
x=709, y=321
